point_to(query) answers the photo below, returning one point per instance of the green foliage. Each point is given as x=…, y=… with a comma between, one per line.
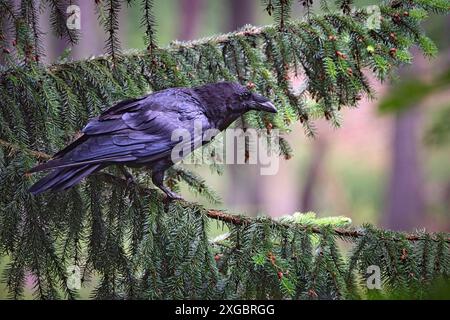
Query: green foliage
x=148, y=22
x=439, y=132
x=142, y=247
x=58, y=18
x=408, y=93
x=309, y=218
x=405, y=95
x=108, y=12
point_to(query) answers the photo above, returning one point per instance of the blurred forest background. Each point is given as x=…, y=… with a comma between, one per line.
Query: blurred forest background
x=389, y=163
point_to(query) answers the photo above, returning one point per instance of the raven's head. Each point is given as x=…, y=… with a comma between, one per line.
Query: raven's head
x=227, y=101
x=245, y=100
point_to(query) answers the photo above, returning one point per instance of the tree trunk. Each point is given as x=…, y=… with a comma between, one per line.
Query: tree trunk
x=405, y=206
x=189, y=18
x=241, y=13
x=91, y=34
x=315, y=166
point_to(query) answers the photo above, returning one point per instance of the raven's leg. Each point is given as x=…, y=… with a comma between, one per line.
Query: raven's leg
x=158, y=180
x=127, y=175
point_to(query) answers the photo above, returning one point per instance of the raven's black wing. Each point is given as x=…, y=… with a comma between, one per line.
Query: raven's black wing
x=135, y=131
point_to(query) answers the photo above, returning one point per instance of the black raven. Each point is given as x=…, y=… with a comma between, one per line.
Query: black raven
x=138, y=132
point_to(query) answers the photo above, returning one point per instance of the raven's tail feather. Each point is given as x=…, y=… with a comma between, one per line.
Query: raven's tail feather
x=46, y=165
x=63, y=178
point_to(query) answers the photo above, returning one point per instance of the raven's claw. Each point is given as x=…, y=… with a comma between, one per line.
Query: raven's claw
x=171, y=195
x=128, y=177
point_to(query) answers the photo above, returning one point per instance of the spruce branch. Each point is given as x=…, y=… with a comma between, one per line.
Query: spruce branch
x=332, y=50
x=142, y=246
x=109, y=17
x=8, y=21
x=220, y=215
x=148, y=22
x=7, y=7
x=175, y=46
x=29, y=13
x=58, y=19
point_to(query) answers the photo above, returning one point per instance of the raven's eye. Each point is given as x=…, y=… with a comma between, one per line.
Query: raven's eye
x=245, y=95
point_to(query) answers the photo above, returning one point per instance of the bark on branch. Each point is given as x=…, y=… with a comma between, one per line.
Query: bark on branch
x=213, y=213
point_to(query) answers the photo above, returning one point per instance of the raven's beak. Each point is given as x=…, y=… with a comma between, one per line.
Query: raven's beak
x=267, y=107
x=261, y=103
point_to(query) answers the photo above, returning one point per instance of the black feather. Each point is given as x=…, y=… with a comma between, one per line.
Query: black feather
x=138, y=132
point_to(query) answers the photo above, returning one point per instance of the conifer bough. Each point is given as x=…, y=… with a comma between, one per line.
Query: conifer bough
x=215, y=214
x=140, y=247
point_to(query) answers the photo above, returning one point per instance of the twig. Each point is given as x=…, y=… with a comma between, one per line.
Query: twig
x=240, y=220
x=15, y=148
x=214, y=213
x=178, y=45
